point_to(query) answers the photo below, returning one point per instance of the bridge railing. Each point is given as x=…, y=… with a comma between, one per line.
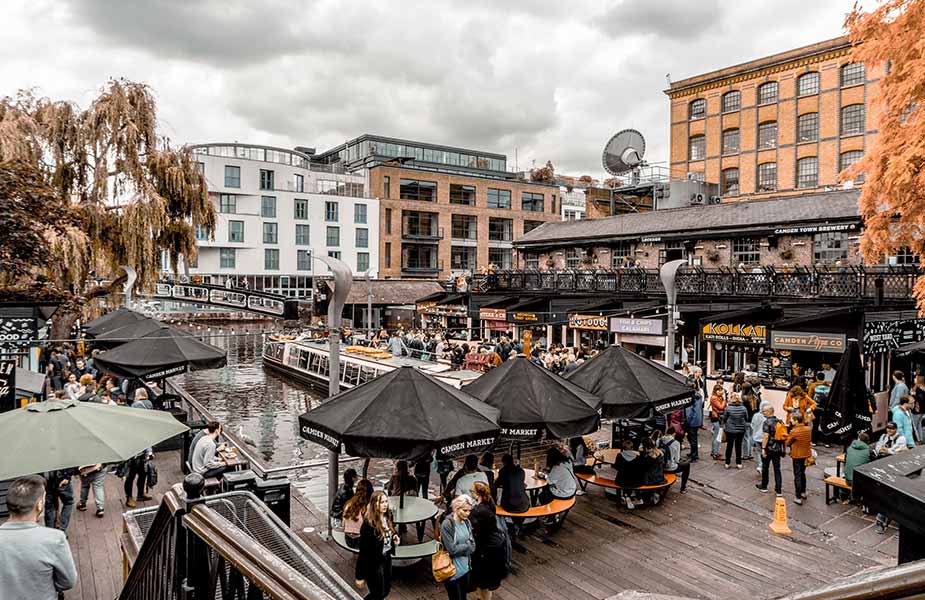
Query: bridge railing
x=237, y=298
x=850, y=282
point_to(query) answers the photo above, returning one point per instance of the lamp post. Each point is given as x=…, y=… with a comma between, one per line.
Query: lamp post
x=668, y=273
x=343, y=281
x=369, y=305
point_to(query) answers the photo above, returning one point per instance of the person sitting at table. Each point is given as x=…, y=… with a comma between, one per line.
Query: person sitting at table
x=561, y=481
x=651, y=468
x=628, y=466
x=671, y=454
x=858, y=454
x=352, y=517
x=462, y=481
x=402, y=482
x=511, y=482
x=487, y=466
x=580, y=455
x=344, y=494
x=206, y=459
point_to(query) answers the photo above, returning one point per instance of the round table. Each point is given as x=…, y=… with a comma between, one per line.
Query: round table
x=607, y=456
x=533, y=483
x=416, y=510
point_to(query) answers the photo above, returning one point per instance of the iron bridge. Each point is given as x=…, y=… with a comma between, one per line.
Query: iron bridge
x=264, y=303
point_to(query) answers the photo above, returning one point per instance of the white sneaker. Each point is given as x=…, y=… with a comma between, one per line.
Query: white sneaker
x=629, y=504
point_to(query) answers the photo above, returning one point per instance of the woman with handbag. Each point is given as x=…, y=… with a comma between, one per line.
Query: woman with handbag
x=378, y=539
x=491, y=560
x=456, y=536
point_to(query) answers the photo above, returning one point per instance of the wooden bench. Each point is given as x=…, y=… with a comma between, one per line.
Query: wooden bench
x=585, y=478
x=831, y=482
x=402, y=551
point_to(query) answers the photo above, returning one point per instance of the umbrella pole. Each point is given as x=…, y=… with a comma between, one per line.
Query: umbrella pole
x=365, y=468
x=401, y=496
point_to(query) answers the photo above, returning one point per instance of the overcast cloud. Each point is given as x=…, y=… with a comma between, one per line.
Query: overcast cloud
x=552, y=79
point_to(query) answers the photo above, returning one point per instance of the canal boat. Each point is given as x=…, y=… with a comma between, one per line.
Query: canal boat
x=307, y=361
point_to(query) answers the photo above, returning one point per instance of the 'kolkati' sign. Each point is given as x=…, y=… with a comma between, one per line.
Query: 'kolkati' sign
x=813, y=342
x=740, y=333
x=587, y=322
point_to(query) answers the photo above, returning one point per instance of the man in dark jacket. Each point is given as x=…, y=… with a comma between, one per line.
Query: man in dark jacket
x=693, y=421
x=511, y=482
x=344, y=494
x=58, y=488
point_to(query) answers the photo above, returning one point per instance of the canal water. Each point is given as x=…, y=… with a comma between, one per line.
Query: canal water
x=244, y=395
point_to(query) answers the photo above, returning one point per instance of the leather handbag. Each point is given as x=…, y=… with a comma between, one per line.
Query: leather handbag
x=441, y=564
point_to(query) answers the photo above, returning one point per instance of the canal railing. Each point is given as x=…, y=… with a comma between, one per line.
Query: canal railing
x=854, y=282
x=224, y=547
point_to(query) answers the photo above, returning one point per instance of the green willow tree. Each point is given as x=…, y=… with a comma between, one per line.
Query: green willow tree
x=83, y=191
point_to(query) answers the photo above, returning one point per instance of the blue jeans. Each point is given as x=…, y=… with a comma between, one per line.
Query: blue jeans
x=95, y=480
x=717, y=437
x=66, y=496
x=756, y=446
x=747, y=442
x=917, y=427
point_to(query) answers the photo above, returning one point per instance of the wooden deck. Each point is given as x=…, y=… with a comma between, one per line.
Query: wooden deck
x=713, y=542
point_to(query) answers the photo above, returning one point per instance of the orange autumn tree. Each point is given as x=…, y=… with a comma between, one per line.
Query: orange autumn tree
x=892, y=200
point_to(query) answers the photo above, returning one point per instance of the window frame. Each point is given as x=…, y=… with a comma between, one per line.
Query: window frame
x=506, y=229
x=235, y=179
x=808, y=133
x=332, y=232
x=813, y=90
x=231, y=231
x=536, y=202
x=331, y=211
x=858, y=120
x=271, y=259
x=360, y=214
x=697, y=109
x=727, y=105
x=225, y=201
x=300, y=209
x=270, y=232
x=732, y=131
x=764, y=185
x=745, y=251
x=725, y=183
x=506, y=257
x=621, y=250
x=763, y=99
x=412, y=189
x=361, y=268
x=471, y=253
x=821, y=254
x=766, y=126
x=696, y=141
x=361, y=232
x=843, y=167
x=499, y=194
x=467, y=224
x=268, y=207
x=303, y=234
x=462, y=195
x=223, y=258
x=802, y=178
x=303, y=260
x=855, y=70
x=267, y=179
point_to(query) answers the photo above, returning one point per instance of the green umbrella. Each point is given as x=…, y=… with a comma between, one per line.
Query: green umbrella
x=61, y=434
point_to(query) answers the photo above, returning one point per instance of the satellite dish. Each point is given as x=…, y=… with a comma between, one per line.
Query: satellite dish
x=624, y=152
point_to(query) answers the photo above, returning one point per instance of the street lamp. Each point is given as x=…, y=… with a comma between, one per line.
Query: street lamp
x=343, y=281
x=668, y=273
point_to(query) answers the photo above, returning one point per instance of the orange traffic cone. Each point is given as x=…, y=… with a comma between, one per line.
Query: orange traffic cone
x=779, y=524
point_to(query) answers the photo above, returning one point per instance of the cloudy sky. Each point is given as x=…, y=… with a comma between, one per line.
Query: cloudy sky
x=552, y=79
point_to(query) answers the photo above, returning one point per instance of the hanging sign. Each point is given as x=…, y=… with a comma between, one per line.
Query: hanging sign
x=816, y=228
x=812, y=342
x=524, y=316
x=741, y=333
x=640, y=326
x=587, y=322
x=492, y=314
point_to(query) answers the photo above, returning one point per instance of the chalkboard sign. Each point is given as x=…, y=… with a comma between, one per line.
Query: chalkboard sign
x=775, y=369
x=7, y=385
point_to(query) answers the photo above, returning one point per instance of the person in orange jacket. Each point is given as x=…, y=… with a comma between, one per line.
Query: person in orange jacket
x=717, y=408
x=798, y=401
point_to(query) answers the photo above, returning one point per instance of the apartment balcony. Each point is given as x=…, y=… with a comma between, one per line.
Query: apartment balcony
x=421, y=234
x=422, y=269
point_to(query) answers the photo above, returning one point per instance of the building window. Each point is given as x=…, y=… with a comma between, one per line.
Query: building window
x=302, y=237
x=232, y=176
x=808, y=172
x=419, y=257
x=573, y=258
x=499, y=198
x=412, y=189
x=270, y=233
x=500, y=257
x=200, y=233
x=235, y=231
x=388, y=221
x=387, y=259
x=902, y=256
x=464, y=227
x=698, y=109
x=808, y=128
x=767, y=177
x=852, y=74
x=271, y=259
x=300, y=209
x=621, y=254
x=201, y=167
x=732, y=101
x=767, y=93
x=462, y=194
x=808, y=84
x=386, y=187
x=569, y=215
x=731, y=141
x=830, y=246
x=420, y=225
x=746, y=251
x=362, y=261
x=500, y=230
x=696, y=147
x=359, y=214
x=303, y=260
x=228, y=204
x=334, y=254
x=849, y=158
x=326, y=186
x=268, y=207
x=226, y=258
x=531, y=261
x=332, y=237
x=852, y=119
x=730, y=182
x=267, y=180
x=532, y=202
x=362, y=238
x=299, y=183
x=331, y=212
x=462, y=258
x=531, y=225
x=767, y=135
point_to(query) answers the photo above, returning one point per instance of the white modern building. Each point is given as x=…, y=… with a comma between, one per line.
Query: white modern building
x=276, y=209
x=573, y=203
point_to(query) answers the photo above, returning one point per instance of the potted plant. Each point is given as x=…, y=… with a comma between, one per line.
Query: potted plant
x=712, y=255
x=786, y=253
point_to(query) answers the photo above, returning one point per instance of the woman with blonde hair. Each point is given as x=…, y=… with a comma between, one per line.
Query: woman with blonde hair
x=457, y=538
x=378, y=539
x=490, y=561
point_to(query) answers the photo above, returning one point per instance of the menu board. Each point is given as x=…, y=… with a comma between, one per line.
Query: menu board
x=775, y=368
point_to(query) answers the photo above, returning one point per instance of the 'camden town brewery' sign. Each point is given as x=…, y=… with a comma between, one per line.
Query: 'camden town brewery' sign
x=737, y=333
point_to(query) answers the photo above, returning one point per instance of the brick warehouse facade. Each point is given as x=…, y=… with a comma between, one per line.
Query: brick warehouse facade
x=425, y=233
x=784, y=124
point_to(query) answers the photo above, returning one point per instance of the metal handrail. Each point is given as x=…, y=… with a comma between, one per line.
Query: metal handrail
x=903, y=581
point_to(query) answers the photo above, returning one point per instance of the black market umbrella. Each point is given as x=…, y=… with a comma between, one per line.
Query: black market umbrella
x=631, y=386
x=402, y=415
x=113, y=320
x=917, y=348
x=533, y=400
x=161, y=353
x=848, y=409
x=127, y=332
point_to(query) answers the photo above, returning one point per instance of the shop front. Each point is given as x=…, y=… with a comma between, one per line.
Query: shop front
x=448, y=314
x=642, y=336
x=494, y=323
x=534, y=316
x=589, y=331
